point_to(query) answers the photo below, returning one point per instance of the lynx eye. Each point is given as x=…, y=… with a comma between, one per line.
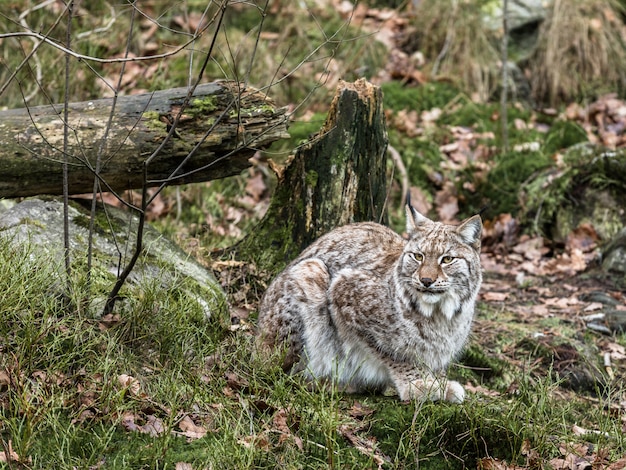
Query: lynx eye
x=417, y=257
x=446, y=259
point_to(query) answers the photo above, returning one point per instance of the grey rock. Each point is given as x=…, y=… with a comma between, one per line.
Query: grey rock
x=614, y=255
x=520, y=13
x=39, y=223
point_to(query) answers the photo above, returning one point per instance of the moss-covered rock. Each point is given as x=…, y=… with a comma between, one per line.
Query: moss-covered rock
x=589, y=187
x=39, y=223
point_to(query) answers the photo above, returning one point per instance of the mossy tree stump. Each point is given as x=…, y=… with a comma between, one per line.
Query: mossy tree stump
x=337, y=177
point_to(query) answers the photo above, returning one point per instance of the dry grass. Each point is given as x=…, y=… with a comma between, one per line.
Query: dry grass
x=459, y=45
x=580, y=51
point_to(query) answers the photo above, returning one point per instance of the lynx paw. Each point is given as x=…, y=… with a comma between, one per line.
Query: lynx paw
x=433, y=390
x=454, y=392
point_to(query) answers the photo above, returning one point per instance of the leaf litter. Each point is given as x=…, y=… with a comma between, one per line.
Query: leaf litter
x=523, y=275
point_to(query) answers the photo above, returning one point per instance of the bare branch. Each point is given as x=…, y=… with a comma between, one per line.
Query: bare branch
x=66, y=229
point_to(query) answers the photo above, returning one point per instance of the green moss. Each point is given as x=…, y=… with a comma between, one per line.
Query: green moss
x=480, y=367
x=36, y=223
x=510, y=173
x=587, y=188
x=397, y=96
x=311, y=179
x=300, y=132
x=564, y=134
x=153, y=121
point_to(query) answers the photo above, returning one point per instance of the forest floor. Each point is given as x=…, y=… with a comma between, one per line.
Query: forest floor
x=157, y=386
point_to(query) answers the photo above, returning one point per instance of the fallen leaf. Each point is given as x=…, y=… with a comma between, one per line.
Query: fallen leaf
x=593, y=306
x=130, y=383
x=259, y=441
x=190, y=429
x=128, y=422
x=494, y=296
x=479, y=389
x=9, y=455
x=531, y=248
x=616, y=351
x=108, y=321
x=154, y=426
x=256, y=187
x=358, y=410
x=280, y=424
x=5, y=380
x=618, y=464
x=366, y=445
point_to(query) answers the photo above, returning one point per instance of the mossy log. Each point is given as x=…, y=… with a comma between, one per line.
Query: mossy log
x=223, y=125
x=337, y=177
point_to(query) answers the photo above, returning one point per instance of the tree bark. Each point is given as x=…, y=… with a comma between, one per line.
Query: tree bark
x=31, y=139
x=338, y=177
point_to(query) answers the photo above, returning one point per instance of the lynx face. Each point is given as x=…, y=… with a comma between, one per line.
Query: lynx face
x=440, y=262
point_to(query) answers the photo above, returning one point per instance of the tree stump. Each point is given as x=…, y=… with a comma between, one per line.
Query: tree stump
x=336, y=178
x=222, y=125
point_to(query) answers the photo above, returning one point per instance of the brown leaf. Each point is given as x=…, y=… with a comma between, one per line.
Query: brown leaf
x=154, y=426
x=491, y=463
x=479, y=389
x=128, y=422
x=583, y=238
x=494, y=296
x=5, y=380
x=9, y=455
x=618, y=464
x=256, y=187
x=259, y=441
x=617, y=351
x=190, y=429
x=108, y=321
x=365, y=445
x=531, y=248
x=130, y=383
x=447, y=202
x=236, y=382
x=280, y=424
x=358, y=410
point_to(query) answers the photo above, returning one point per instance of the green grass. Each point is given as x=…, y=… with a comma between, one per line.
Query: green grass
x=62, y=405
x=61, y=402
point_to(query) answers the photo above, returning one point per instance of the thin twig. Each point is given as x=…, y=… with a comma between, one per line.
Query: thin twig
x=396, y=158
x=505, y=77
x=145, y=201
x=99, y=60
x=103, y=142
x=30, y=55
x=66, y=99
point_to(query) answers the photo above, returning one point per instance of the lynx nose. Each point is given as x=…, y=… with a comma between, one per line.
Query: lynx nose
x=427, y=281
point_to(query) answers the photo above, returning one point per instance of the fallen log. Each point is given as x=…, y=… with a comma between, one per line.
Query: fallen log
x=222, y=126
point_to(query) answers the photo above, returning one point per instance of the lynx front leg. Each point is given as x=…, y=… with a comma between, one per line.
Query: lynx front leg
x=414, y=384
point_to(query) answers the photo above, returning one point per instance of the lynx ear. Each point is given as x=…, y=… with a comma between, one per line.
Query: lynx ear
x=414, y=219
x=470, y=231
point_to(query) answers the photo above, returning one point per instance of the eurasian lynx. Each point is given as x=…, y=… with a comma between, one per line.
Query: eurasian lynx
x=367, y=309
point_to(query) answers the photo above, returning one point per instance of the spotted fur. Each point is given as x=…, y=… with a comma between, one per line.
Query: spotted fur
x=367, y=309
